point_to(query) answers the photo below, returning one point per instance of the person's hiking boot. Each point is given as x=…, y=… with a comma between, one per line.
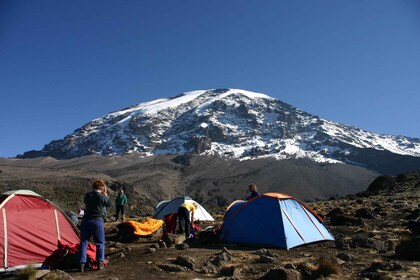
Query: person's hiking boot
x=82, y=267
x=101, y=266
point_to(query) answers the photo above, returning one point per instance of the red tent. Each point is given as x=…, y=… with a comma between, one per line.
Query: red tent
x=30, y=228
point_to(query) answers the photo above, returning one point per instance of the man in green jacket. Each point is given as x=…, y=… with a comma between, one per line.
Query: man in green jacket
x=120, y=201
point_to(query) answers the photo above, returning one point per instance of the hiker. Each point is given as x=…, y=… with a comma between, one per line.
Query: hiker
x=253, y=189
x=120, y=202
x=93, y=223
x=184, y=212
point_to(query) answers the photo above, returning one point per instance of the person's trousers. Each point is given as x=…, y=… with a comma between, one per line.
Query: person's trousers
x=95, y=228
x=184, y=219
x=120, y=208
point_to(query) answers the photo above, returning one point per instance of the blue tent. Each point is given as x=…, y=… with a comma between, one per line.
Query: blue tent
x=275, y=220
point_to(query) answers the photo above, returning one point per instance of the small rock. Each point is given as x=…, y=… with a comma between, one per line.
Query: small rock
x=390, y=266
x=289, y=266
x=281, y=274
x=151, y=250
x=390, y=246
x=185, y=261
x=182, y=246
x=359, y=201
x=162, y=244
x=221, y=259
x=154, y=245
x=344, y=257
x=225, y=250
x=341, y=243
x=373, y=272
x=264, y=252
x=57, y=274
x=172, y=267
x=307, y=269
x=260, y=252
x=266, y=259
x=365, y=213
x=231, y=271
x=209, y=268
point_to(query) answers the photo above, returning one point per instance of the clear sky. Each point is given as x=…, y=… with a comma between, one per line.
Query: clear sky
x=65, y=63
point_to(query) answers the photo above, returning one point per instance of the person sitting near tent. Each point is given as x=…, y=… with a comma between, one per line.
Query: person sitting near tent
x=120, y=202
x=93, y=223
x=184, y=212
x=253, y=189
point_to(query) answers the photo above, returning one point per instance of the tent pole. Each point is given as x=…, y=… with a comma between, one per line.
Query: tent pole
x=5, y=238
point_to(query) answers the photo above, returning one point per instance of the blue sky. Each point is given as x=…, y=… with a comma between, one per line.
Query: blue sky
x=65, y=63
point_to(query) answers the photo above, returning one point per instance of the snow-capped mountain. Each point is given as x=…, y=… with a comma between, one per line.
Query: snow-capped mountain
x=230, y=123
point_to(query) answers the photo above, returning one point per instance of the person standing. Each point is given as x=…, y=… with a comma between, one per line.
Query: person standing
x=186, y=210
x=97, y=202
x=253, y=189
x=120, y=202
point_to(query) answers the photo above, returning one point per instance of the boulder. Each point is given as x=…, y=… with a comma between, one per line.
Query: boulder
x=409, y=249
x=382, y=183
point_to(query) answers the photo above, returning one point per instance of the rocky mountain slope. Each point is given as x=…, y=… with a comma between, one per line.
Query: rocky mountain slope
x=212, y=181
x=236, y=124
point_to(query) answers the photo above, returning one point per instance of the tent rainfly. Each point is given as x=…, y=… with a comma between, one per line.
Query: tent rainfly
x=30, y=228
x=167, y=207
x=275, y=220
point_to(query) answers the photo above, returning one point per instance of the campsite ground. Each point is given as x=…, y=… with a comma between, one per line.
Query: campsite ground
x=368, y=230
x=372, y=242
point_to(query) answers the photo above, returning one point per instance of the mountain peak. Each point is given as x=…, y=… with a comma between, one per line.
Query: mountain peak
x=231, y=123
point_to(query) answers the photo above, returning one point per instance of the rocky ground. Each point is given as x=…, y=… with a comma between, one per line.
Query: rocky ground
x=372, y=242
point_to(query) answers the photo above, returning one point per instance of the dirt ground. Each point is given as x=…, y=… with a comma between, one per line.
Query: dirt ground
x=369, y=250
x=139, y=263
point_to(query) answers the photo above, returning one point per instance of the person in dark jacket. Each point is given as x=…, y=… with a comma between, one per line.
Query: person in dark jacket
x=253, y=189
x=97, y=202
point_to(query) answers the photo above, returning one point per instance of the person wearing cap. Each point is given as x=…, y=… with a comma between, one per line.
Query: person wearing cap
x=186, y=210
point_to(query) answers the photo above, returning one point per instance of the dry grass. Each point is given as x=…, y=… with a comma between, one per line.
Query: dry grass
x=53, y=276
x=327, y=267
x=27, y=273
